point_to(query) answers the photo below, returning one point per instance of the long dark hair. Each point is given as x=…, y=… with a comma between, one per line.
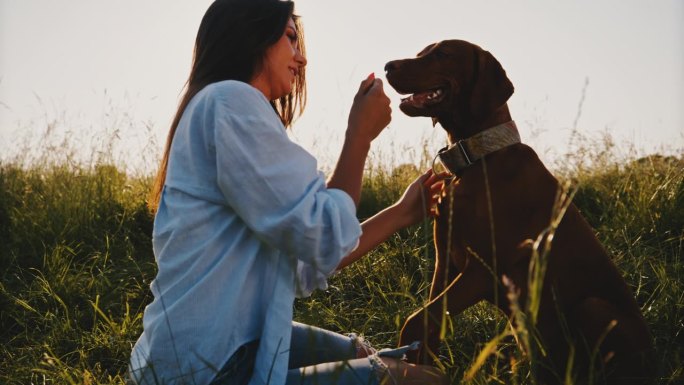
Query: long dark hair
x=231, y=45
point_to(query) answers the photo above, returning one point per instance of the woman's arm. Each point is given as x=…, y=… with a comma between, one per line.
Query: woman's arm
x=415, y=205
x=370, y=113
x=272, y=184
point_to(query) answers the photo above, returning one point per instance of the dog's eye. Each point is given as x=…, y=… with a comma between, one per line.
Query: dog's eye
x=440, y=54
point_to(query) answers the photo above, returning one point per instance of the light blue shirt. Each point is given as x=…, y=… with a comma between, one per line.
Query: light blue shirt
x=245, y=223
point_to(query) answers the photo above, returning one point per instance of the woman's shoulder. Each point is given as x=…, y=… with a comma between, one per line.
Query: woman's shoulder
x=231, y=86
x=233, y=92
x=234, y=100
x=231, y=97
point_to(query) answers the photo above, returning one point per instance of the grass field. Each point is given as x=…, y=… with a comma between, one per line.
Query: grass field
x=76, y=262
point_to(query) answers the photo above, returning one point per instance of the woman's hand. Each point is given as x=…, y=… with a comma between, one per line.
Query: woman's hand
x=421, y=197
x=370, y=112
x=408, y=210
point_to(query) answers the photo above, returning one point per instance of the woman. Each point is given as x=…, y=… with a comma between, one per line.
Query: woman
x=244, y=221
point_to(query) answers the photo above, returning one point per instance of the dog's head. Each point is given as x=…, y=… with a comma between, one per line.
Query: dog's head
x=453, y=81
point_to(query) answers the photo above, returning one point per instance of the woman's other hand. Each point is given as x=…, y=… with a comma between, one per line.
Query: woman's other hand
x=421, y=197
x=418, y=202
x=370, y=112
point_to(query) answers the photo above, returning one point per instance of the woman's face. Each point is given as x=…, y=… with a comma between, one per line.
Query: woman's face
x=282, y=63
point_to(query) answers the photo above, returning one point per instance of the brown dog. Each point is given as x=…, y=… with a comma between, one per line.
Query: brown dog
x=502, y=199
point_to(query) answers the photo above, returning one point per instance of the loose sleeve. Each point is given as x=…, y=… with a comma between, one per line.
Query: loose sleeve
x=275, y=188
x=308, y=280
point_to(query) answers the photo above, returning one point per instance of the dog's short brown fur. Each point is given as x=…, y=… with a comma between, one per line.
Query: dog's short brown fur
x=582, y=287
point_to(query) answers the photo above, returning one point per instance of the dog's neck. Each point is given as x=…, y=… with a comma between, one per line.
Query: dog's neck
x=469, y=146
x=465, y=127
x=464, y=153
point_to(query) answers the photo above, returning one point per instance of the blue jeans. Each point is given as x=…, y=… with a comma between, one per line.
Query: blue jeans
x=317, y=357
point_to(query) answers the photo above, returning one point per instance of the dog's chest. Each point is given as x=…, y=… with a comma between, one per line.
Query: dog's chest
x=479, y=215
x=463, y=221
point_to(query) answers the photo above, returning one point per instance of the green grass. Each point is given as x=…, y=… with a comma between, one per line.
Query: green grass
x=76, y=262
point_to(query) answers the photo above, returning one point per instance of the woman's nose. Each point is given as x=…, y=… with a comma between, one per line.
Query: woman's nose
x=300, y=59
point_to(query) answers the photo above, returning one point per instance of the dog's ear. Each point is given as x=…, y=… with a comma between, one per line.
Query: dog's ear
x=491, y=88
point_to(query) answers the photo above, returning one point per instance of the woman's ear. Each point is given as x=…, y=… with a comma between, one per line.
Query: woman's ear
x=491, y=88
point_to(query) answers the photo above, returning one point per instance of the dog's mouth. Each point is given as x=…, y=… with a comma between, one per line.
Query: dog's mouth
x=424, y=99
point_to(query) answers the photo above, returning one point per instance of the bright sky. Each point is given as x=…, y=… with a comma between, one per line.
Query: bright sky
x=93, y=67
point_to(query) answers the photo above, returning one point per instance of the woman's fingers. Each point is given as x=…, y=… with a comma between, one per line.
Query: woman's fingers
x=433, y=184
x=367, y=84
x=370, y=112
x=431, y=178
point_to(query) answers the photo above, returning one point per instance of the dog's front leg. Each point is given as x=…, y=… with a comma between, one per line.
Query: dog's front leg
x=421, y=326
x=425, y=325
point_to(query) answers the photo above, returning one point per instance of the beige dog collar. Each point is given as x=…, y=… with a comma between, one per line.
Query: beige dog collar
x=465, y=152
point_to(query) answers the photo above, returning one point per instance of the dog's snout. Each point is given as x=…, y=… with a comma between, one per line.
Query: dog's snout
x=392, y=65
